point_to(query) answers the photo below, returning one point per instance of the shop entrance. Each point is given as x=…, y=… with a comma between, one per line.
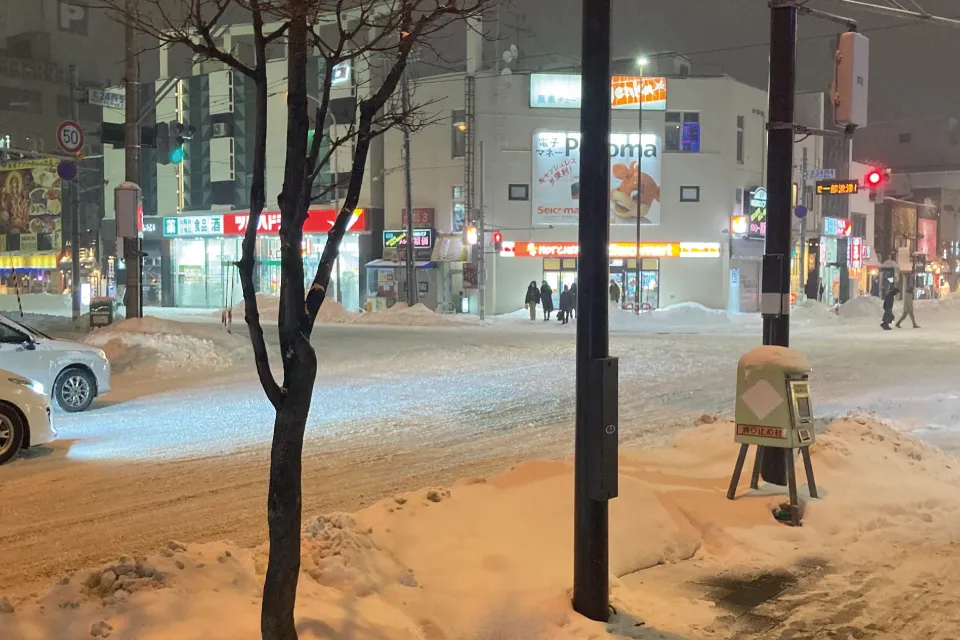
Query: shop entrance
x=558, y=272
x=624, y=273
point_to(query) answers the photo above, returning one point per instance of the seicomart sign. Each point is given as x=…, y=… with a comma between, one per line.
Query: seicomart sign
x=562, y=91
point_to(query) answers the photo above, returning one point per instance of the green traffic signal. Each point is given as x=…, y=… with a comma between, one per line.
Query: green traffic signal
x=176, y=155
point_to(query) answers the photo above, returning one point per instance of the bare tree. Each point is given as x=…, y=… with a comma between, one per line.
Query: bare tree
x=337, y=31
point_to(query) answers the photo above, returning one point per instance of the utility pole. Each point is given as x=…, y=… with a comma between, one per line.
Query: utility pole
x=75, y=204
x=412, y=292
x=131, y=246
x=595, y=457
x=481, y=245
x=639, y=263
x=775, y=280
x=802, y=198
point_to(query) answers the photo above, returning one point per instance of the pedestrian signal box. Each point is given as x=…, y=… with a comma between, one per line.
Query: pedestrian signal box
x=774, y=412
x=773, y=399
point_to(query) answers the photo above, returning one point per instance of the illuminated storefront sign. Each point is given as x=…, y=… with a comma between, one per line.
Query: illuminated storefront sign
x=855, y=253
x=235, y=224
x=739, y=225
x=618, y=250
x=839, y=227
x=757, y=212
x=562, y=91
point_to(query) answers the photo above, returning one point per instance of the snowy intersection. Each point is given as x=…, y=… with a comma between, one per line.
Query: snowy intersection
x=184, y=455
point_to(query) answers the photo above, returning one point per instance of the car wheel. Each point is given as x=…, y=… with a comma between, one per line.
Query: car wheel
x=74, y=390
x=11, y=433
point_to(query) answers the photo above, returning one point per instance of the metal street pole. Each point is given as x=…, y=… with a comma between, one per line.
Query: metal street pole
x=802, y=198
x=131, y=246
x=481, y=245
x=595, y=457
x=639, y=191
x=412, y=292
x=775, y=281
x=75, y=204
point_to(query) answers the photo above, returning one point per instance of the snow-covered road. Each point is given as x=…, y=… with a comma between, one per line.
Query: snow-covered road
x=397, y=409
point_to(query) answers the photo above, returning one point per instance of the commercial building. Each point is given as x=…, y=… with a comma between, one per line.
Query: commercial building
x=700, y=170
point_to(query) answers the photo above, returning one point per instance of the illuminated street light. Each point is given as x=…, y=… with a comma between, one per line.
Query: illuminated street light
x=643, y=61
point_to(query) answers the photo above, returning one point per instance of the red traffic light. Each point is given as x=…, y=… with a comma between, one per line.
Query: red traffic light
x=874, y=178
x=497, y=237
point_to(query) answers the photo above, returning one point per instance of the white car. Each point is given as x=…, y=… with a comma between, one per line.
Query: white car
x=25, y=418
x=72, y=373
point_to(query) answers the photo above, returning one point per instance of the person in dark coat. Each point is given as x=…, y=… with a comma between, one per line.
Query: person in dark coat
x=546, y=299
x=614, y=292
x=888, y=308
x=566, y=305
x=532, y=299
x=573, y=299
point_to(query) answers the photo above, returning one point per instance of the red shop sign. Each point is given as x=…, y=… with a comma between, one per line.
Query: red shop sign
x=318, y=221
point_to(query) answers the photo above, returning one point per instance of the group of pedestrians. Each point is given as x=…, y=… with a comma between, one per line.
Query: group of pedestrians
x=543, y=296
x=888, y=315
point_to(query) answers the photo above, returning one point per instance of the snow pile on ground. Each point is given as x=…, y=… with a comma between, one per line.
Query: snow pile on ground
x=491, y=558
x=35, y=302
x=812, y=312
x=869, y=307
x=269, y=308
x=401, y=315
x=166, y=345
x=684, y=317
x=949, y=304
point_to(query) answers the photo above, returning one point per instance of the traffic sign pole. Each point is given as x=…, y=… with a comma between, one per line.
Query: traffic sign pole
x=74, y=189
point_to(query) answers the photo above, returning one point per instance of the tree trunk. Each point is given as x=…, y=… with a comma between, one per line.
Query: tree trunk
x=285, y=501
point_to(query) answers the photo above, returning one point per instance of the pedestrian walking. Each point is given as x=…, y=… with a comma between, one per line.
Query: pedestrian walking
x=573, y=299
x=566, y=305
x=614, y=292
x=532, y=299
x=888, y=308
x=908, y=309
x=546, y=299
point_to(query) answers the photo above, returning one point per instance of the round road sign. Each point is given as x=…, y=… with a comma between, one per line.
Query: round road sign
x=800, y=211
x=67, y=170
x=70, y=136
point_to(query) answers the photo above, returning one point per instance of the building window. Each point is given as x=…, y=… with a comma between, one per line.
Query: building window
x=739, y=139
x=689, y=194
x=458, y=133
x=682, y=131
x=21, y=100
x=458, y=209
x=905, y=138
x=519, y=192
x=858, y=225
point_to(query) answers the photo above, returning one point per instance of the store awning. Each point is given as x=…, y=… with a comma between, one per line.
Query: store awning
x=390, y=264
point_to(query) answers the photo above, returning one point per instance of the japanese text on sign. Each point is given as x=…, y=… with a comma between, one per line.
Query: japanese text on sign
x=837, y=187
x=755, y=431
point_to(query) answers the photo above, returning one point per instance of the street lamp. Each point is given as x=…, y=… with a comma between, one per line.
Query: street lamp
x=642, y=61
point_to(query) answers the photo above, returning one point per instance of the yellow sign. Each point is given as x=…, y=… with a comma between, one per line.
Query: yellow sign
x=837, y=187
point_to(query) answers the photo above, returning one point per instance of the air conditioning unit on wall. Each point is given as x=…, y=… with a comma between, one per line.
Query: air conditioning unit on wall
x=220, y=130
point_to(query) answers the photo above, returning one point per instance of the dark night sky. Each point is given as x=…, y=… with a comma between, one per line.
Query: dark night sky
x=913, y=66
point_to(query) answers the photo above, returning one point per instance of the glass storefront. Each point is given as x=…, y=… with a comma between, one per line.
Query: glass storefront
x=563, y=271
x=206, y=277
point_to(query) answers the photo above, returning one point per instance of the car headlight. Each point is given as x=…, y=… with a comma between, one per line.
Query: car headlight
x=33, y=385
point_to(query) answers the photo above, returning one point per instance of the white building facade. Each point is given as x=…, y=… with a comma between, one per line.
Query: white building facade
x=703, y=150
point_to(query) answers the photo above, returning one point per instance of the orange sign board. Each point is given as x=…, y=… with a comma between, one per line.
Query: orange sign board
x=630, y=91
x=617, y=250
x=755, y=431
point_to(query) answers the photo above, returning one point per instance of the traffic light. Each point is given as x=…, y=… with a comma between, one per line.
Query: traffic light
x=179, y=133
x=470, y=235
x=875, y=179
x=497, y=241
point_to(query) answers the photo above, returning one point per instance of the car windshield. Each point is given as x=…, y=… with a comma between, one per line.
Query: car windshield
x=33, y=333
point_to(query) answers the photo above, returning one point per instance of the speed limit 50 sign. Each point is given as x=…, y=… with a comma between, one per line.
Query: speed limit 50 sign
x=70, y=136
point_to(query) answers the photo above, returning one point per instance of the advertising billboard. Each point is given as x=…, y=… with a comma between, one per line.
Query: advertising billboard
x=628, y=93
x=30, y=206
x=555, y=193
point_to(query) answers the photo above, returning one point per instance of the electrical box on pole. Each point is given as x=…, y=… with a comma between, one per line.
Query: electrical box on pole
x=851, y=85
x=129, y=211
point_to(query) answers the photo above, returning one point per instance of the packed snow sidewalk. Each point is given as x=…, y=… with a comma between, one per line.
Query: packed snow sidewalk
x=489, y=559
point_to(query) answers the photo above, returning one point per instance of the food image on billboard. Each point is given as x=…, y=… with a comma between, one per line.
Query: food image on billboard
x=30, y=204
x=555, y=194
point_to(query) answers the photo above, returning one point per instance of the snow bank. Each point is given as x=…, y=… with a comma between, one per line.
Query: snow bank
x=269, y=308
x=862, y=307
x=401, y=315
x=491, y=558
x=812, y=312
x=166, y=345
x=769, y=356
